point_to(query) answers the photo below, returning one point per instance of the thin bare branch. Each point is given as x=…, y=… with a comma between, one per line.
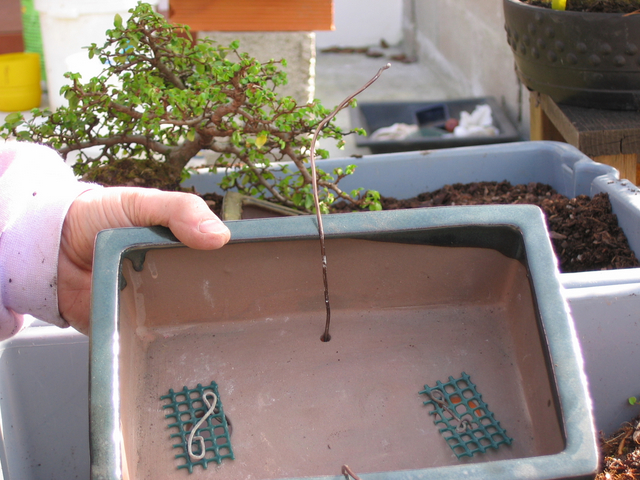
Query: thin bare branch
x=326, y=337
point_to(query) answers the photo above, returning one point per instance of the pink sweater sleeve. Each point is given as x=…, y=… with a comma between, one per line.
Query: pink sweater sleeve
x=36, y=190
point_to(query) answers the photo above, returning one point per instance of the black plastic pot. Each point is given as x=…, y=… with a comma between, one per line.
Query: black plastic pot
x=577, y=58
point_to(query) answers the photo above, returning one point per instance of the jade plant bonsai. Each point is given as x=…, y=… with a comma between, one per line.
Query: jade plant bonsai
x=163, y=97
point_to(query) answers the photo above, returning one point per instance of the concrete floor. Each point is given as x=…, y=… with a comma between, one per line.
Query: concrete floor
x=339, y=75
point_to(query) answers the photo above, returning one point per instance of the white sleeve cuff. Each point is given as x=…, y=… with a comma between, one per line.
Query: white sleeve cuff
x=36, y=190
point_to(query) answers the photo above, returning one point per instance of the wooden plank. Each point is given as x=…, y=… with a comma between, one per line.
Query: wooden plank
x=10, y=17
x=563, y=124
x=536, y=117
x=253, y=15
x=11, y=42
x=596, y=133
x=618, y=142
x=627, y=164
x=541, y=127
x=606, y=132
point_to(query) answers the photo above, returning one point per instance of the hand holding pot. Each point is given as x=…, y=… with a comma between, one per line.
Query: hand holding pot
x=187, y=215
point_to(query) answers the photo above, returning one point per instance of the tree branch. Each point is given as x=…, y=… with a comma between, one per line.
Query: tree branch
x=118, y=140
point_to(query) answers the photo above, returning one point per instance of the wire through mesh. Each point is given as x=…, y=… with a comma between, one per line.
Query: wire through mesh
x=463, y=418
x=187, y=407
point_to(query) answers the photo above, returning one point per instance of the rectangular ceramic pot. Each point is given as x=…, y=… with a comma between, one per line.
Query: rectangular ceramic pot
x=417, y=296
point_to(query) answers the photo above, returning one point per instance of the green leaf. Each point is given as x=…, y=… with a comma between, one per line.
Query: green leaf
x=185, y=174
x=308, y=201
x=117, y=21
x=633, y=400
x=72, y=98
x=372, y=200
x=324, y=154
x=14, y=117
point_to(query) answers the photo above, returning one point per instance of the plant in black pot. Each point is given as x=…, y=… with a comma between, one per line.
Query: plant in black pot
x=584, y=53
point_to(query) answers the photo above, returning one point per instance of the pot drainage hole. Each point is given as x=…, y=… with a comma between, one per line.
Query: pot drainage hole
x=203, y=428
x=465, y=421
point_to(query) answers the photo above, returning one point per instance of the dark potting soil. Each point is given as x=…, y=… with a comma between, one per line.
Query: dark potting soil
x=599, y=6
x=620, y=453
x=584, y=231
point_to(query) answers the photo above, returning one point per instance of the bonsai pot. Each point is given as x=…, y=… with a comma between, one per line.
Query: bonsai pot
x=577, y=58
x=436, y=314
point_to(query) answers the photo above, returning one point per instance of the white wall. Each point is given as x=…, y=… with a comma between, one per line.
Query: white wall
x=466, y=40
x=363, y=23
x=298, y=48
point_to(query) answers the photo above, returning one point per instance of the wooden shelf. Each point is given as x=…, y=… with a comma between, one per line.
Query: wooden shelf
x=11, y=40
x=606, y=136
x=253, y=15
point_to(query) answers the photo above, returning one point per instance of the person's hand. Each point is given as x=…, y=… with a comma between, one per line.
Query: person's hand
x=187, y=215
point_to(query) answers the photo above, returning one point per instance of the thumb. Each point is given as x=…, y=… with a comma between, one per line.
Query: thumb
x=188, y=216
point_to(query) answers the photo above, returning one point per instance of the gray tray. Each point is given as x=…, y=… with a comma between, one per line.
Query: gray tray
x=372, y=116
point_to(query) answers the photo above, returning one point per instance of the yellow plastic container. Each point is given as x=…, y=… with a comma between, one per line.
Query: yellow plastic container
x=19, y=81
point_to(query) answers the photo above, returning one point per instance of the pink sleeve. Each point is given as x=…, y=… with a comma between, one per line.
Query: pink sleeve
x=36, y=190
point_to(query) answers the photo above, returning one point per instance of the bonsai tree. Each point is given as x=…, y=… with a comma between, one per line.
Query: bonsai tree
x=163, y=97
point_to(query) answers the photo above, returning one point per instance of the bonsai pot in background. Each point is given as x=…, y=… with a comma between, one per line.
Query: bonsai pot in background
x=583, y=59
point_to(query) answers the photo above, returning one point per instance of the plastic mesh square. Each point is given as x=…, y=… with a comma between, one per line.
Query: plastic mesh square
x=465, y=421
x=187, y=407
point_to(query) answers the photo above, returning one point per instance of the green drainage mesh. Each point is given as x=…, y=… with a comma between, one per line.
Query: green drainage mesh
x=188, y=407
x=465, y=421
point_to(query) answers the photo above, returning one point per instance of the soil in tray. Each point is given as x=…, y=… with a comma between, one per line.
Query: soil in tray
x=621, y=453
x=584, y=231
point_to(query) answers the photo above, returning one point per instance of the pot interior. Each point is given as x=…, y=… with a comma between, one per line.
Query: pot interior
x=250, y=317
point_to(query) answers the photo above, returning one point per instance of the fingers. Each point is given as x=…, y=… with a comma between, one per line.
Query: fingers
x=187, y=215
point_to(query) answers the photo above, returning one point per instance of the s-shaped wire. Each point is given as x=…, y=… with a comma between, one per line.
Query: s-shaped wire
x=199, y=438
